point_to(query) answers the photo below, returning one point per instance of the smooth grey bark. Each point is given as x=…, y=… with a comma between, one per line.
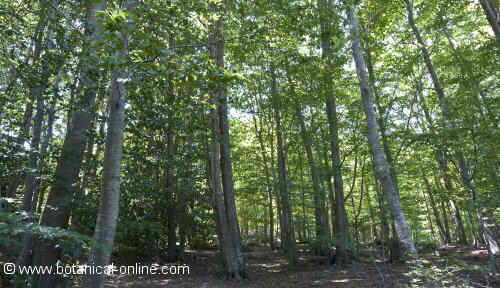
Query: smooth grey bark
x=342, y=234
x=228, y=186
x=462, y=237
x=30, y=183
x=322, y=229
x=58, y=209
x=107, y=217
x=224, y=235
x=287, y=225
x=381, y=120
x=170, y=171
x=492, y=14
x=382, y=168
x=357, y=211
x=186, y=192
x=267, y=174
x=303, y=199
x=331, y=192
x=170, y=193
x=275, y=177
x=221, y=165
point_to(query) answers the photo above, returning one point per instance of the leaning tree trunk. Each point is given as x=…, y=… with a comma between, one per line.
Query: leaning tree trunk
x=107, y=217
x=382, y=169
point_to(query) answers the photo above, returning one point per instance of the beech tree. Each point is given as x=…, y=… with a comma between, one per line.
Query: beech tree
x=250, y=135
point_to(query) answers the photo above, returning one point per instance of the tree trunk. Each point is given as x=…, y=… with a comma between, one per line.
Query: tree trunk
x=46, y=143
x=382, y=169
x=170, y=193
x=170, y=173
x=37, y=163
x=107, y=216
x=287, y=228
x=68, y=167
x=462, y=238
x=235, y=264
x=445, y=237
x=342, y=235
x=322, y=231
x=269, y=185
x=492, y=14
x=303, y=199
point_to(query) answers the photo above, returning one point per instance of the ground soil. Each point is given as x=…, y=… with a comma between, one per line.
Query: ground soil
x=269, y=269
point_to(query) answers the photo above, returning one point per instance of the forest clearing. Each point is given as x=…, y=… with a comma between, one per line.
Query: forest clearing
x=234, y=143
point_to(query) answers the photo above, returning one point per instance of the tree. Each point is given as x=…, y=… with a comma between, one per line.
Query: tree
x=220, y=159
x=61, y=194
x=492, y=14
x=341, y=222
x=382, y=169
x=107, y=217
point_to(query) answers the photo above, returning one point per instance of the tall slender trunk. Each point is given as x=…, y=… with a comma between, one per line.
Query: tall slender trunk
x=235, y=265
x=371, y=213
x=185, y=194
x=287, y=228
x=342, y=235
x=30, y=184
x=275, y=177
x=303, y=198
x=381, y=120
x=462, y=238
x=269, y=185
x=170, y=194
x=170, y=172
x=107, y=217
x=322, y=231
x=382, y=168
x=46, y=143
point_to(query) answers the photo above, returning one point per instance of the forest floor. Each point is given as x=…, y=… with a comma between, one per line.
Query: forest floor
x=448, y=266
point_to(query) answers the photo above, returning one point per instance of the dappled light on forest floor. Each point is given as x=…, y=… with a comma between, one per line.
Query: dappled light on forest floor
x=269, y=269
